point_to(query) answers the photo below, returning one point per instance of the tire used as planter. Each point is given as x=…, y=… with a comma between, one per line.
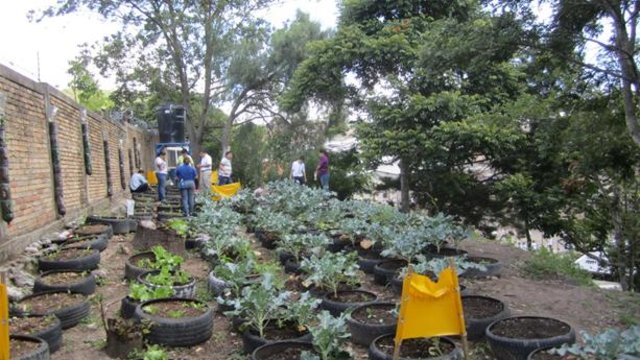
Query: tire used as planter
x=70, y=259
x=514, y=338
x=70, y=308
x=128, y=307
x=480, y=312
x=131, y=268
x=41, y=351
x=99, y=242
x=493, y=268
x=367, y=322
x=346, y=299
x=184, y=291
x=194, y=328
x=66, y=280
x=275, y=350
x=384, y=271
x=119, y=225
x=47, y=328
x=381, y=348
x=251, y=340
x=95, y=229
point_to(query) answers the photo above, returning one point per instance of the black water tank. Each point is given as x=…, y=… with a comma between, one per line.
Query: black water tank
x=171, y=120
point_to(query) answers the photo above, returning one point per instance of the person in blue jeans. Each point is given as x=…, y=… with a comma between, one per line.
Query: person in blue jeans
x=160, y=166
x=186, y=175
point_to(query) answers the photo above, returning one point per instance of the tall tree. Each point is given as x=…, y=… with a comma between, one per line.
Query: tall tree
x=183, y=42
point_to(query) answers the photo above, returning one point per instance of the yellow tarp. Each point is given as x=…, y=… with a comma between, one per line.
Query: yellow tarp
x=4, y=322
x=224, y=191
x=151, y=178
x=429, y=309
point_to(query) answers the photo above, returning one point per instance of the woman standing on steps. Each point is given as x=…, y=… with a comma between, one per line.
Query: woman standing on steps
x=160, y=166
x=186, y=175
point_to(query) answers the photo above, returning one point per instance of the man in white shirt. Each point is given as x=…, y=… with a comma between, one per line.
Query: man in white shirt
x=160, y=166
x=298, y=171
x=138, y=183
x=224, y=171
x=205, y=172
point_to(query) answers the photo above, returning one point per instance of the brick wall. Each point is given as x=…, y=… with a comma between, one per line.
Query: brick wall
x=30, y=168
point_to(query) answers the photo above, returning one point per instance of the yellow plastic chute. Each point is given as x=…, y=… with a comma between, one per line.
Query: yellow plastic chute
x=224, y=191
x=151, y=178
x=4, y=320
x=429, y=309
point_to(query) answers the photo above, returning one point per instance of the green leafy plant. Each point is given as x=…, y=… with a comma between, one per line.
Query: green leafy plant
x=260, y=304
x=162, y=259
x=141, y=293
x=607, y=345
x=436, y=265
x=303, y=244
x=167, y=277
x=179, y=225
x=153, y=352
x=235, y=276
x=329, y=337
x=330, y=270
x=301, y=311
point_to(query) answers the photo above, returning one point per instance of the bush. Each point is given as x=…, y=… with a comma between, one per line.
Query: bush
x=544, y=264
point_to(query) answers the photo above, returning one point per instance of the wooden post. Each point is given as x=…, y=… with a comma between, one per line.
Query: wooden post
x=4, y=318
x=465, y=342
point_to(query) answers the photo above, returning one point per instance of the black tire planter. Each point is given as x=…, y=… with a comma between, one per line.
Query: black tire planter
x=384, y=271
x=292, y=267
x=493, y=268
x=265, y=352
x=252, y=341
x=363, y=333
x=533, y=354
x=186, y=291
x=83, y=263
x=445, y=252
x=476, y=327
x=284, y=256
x=119, y=225
x=128, y=307
x=86, y=285
x=505, y=348
x=99, y=243
x=69, y=316
x=132, y=270
x=177, y=332
x=216, y=285
x=52, y=334
x=108, y=231
x=40, y=353
x=336, y=307
x=376, y=353
x=367, y=265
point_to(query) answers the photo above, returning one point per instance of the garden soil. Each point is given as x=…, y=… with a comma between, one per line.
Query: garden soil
x=584, y=308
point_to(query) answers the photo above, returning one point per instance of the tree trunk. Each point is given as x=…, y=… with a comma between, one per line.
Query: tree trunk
x=618, y=239
x=404, y=187
x=225, y=138
x=527, y=233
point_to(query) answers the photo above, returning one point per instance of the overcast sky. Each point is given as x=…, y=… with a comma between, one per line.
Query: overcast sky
x=56, y=40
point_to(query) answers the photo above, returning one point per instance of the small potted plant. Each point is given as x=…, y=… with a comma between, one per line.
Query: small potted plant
x=435, y=348
x=139, y=293
x=331, y=271
x=155, y=259
x=182, y=284
x=367, y=322
x=293, y=247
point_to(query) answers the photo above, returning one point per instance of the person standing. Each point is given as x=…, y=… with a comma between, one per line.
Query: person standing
x=184, y=154
x=298, y=171
x=224, y=170
x=322, y=171
x=160, y=166
x=186, y=176
x=205, y=172
x=138, y=183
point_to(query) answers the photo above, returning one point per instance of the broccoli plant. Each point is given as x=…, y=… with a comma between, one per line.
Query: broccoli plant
x=330, y=270
x=260, y=304
x=301, y=311
x=329, y=337
x=608, y=345
x=235, y=276
x=441, y=228
x=303, y=244
x=436, y=265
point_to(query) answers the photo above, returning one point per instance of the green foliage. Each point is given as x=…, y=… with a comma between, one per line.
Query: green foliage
x=180, y=226
x=608, y=345
x=162, y=259
x=543, y=264
x=330, y=270
x=303, y=244
x=168, y=277
x=142, y=293
x=84, y=87
x=329, y=336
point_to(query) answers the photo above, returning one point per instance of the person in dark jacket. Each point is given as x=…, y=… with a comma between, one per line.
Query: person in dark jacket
x=186, y=175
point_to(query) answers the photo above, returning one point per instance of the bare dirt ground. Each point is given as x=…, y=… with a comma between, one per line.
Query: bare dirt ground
x=583, y=307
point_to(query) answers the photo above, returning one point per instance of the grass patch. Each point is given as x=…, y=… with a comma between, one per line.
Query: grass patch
x=545, y=265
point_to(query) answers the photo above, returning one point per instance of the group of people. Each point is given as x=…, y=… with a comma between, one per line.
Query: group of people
x=187, y=174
